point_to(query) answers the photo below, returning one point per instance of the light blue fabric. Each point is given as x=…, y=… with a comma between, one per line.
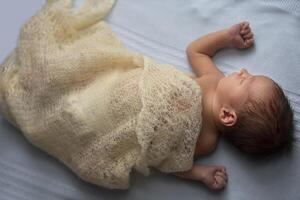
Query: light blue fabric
x=162, y=30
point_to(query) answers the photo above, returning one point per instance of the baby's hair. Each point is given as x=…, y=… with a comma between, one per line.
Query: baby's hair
x=264, y=127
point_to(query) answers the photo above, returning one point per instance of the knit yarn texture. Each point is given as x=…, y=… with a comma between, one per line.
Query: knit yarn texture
x=78, y=94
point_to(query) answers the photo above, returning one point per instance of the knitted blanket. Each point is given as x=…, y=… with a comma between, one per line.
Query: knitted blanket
x=78, y=94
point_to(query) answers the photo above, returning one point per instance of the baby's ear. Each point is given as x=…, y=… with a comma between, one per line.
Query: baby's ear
x=227, y=116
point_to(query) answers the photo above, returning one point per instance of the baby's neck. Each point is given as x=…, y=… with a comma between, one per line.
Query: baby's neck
x=209, y=134
x=207, y=112
x=208, y=93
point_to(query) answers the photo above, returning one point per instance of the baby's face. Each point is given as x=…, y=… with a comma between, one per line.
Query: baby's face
x=234, y=89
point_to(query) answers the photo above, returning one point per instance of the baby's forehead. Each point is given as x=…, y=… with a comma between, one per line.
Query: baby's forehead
x=261, y=87
x=264, y=81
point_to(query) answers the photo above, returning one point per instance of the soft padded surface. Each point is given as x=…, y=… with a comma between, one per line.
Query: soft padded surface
x=162, y=30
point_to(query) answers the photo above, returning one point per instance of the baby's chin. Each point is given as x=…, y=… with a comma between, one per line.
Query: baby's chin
x=221, y=82
x=225, y=78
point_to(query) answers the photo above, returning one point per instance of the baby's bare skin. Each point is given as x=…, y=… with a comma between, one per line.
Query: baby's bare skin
x=213, y=176
x=201, y=50
x=242, y=35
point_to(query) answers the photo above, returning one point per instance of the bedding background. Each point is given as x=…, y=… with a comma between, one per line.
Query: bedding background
x=162, y=30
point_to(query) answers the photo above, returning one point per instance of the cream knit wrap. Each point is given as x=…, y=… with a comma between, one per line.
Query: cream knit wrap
x=77, y=93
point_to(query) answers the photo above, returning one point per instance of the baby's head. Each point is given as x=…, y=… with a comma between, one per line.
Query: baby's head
x=253, y=113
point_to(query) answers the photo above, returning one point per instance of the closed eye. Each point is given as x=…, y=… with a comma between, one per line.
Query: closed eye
x=242, y=80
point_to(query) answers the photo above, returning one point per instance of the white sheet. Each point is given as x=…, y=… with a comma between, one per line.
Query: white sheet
x=161, y=30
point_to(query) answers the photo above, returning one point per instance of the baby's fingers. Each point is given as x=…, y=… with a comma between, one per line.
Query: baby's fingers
x=249, y=42
x=245, y=25
x=223, y=175
x=219, y=182
x=248, y=36
x=245, y=31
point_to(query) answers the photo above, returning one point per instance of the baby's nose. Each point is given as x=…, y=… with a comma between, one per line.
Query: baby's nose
x=244, y=72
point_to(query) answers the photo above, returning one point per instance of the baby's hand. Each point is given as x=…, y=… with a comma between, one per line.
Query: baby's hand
x=215, y=177
x=241, y=34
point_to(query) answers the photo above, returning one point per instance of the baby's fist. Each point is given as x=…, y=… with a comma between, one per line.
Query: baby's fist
x=241, y=35
x=215, y=177
x=220, y=180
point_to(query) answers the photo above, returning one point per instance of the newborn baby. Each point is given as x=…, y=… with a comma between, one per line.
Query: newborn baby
x=78, y=94
x=251, y=111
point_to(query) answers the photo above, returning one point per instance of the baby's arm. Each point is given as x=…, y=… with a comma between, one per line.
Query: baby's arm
x=200, y=51
x=215, y=177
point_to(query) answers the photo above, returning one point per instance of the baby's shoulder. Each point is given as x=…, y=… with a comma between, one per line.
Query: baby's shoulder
x=208, y=81
x=207, y=142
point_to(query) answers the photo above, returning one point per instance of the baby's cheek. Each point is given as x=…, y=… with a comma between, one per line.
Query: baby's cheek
x=239, y=97
x=226, y=89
